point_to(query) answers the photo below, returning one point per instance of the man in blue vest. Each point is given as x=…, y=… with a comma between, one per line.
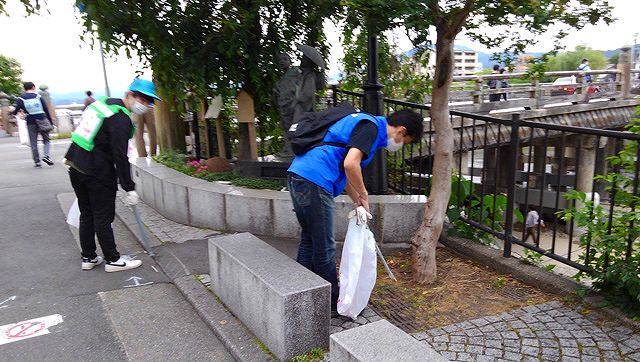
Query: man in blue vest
x=97, y=164
x=324, y=172
x=35, y=108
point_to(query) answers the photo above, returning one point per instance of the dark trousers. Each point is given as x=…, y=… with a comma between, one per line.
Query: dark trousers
x=531, y=231
x=97, y=205
x=34, y=131
x=314, y=208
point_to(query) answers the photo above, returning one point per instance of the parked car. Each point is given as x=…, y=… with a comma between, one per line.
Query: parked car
x=565, y=86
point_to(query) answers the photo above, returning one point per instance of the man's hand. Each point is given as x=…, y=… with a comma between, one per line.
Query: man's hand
x=363, y=200
x=362, y=215
x=132, y=198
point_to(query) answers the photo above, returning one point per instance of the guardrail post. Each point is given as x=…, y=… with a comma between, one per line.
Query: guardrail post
x=624, y=65
x=478, y=97
x=511, y=183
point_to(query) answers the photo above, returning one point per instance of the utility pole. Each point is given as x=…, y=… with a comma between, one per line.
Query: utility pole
x=634, y=53
x=104, y=70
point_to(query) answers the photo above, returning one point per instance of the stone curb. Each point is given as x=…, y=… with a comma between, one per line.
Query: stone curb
x=240, y=343
x=531, y=275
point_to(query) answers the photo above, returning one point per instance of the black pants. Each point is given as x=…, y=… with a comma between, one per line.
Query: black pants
x=97, y=204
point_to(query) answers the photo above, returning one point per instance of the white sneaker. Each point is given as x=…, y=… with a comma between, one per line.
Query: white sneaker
x=124, y=263
x=88, y=264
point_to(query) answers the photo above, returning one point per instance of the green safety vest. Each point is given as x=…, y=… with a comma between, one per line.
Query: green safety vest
x=92, y=119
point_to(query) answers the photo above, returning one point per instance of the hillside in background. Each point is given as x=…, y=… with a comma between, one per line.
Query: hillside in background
x=77, y=97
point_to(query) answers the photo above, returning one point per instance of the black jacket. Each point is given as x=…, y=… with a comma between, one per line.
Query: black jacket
x=108, y=161
x=31, y=119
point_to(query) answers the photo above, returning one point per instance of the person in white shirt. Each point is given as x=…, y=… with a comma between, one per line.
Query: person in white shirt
x=532, y=221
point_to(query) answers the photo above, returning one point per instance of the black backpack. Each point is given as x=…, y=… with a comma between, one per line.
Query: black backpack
x=310, y=130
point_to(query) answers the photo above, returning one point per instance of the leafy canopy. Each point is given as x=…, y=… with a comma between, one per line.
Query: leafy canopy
x=572, y=59
x=10, y=76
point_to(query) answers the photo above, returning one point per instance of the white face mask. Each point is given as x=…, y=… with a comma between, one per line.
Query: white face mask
x=392, y=145
x=139, y=108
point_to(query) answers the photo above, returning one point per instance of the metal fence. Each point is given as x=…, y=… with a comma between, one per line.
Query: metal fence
x=504, y=168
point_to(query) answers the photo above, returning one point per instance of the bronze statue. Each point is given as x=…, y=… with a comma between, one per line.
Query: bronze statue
x=295, y=92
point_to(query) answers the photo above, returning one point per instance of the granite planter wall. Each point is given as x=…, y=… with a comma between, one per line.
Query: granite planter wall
x=217, y=206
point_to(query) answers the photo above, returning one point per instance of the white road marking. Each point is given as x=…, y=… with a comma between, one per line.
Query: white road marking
x=136, y=282
x=28, y=329
x=6, y=300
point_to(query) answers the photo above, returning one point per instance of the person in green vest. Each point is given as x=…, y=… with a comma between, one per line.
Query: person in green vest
x=97, y=160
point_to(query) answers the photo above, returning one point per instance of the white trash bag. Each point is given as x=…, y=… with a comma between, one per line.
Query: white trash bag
x=73, y=218
x=357, y=269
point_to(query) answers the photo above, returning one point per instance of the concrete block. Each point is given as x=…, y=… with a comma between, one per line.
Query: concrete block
x=207, y=205
x=401, y=215
x=290, y=315
x=379, y=341
x=249, y=211
x=344, y=205
x=285, y=222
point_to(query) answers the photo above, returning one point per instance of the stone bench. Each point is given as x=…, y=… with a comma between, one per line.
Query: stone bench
x=380, y=341
x=285, y=305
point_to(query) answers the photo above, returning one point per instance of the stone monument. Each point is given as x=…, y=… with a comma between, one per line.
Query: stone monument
x=295, y=92
x=44, y=93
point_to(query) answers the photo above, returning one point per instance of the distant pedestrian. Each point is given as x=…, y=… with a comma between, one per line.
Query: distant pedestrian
x=88, y=100
x=531, y=225
x=503, y=84
x=98, y=160
x=148, y=121
x=36, y=111
x=584, y=67
x=494, y=84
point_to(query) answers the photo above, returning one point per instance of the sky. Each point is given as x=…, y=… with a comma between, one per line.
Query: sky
x=56, y=56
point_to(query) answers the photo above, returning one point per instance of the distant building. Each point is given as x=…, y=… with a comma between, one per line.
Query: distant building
x=465, y=61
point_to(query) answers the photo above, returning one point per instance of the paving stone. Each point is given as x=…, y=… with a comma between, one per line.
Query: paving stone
x=624, y=349
x=518, y=324
x=530, y=342
x=634, y=357
x=561, y=333
x=569, y=359
x=465, y=357
x=554, y=325
x=475, y=349
x=452, y=356
x=530, y=350
x=513, y=356
x=419, y=336
x=488, y=328
x=493, y=352
x=473, y=332
x=571, y=352
x=493, y=343
x=580, y=334
x=480, y=322
x=606, y=345
x=368, y=312
x=501, y=326
x=510, y=335
x=526, y=333
x=531, y=309
x=544, y=318
x=440, y=346
x=591, y=351
x=465, y=325
x=349, y=325
x=549, y=343
x=442, y=338
x=458, y=339
x=493, y=335
x=537, y=326
x=611, y=356
x=478, y=341
x=361, y=320
x=436, y=331
x=337, y=322
x=531, y=359
x=335, y=329
x=633, y=342
x=375, y=318
x=564, y=320
x=492, y=319
x=451, y=328
x=550, y=353
x=591, y=359
x=586, y=342
x=506, y=316
x=569, y=343
x=484, y=358
x=456, y=347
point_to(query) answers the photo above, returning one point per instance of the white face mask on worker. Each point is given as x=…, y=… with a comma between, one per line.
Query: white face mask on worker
x=139, y=108
x=392, y=145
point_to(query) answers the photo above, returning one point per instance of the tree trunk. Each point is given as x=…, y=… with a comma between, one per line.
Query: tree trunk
x=425, y=240
x=169, y=128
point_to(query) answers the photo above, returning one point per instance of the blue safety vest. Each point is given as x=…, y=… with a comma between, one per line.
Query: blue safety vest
x=33, y=105
x=322, y=165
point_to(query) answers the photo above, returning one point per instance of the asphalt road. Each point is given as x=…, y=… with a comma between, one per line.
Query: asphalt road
x=51, y=310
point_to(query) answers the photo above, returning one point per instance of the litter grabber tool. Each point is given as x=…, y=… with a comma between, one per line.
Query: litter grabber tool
x=143, y=233
x=384, y=262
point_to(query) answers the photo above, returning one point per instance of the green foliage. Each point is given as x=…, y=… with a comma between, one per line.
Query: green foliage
x=489, y=210
x=10, y=75
x=178, y=162
x=31, y=6
x=614, y=59
x=315, y=355
x=499, y=283
x=572, y=59
x=615, y=264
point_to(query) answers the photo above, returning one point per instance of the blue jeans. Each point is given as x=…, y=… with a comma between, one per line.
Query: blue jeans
x=314, y=208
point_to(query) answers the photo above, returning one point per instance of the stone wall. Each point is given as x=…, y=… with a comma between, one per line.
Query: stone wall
x=213, y=205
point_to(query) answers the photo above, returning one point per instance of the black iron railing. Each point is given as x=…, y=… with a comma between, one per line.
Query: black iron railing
x=503, y=168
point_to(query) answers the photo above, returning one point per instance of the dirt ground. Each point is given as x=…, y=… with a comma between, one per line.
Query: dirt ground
x=464, y=290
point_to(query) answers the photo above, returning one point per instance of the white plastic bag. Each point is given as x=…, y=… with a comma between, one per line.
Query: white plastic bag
x=73, y=218
x=357, y=270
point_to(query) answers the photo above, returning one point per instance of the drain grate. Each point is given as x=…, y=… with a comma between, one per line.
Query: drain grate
x=391, y=306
